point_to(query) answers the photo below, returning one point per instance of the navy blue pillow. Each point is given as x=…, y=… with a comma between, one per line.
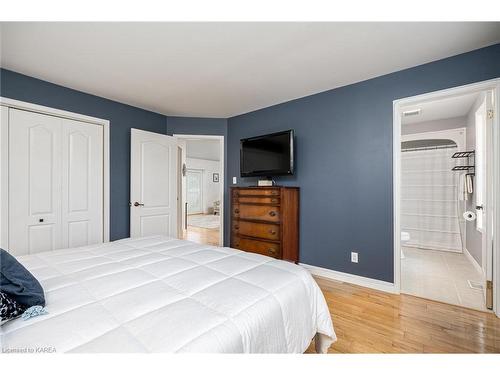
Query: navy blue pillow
x=18, y=282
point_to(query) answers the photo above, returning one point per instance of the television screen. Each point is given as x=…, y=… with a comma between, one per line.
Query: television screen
x=267, y=155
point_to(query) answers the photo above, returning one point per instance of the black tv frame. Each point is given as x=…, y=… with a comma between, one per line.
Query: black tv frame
x=269, y=173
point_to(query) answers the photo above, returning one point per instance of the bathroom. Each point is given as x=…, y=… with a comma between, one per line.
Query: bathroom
x=443, y=190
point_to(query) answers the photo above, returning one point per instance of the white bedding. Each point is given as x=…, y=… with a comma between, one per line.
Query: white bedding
x=159, y=294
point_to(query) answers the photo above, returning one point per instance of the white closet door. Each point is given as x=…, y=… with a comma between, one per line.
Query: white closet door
x=34, y=182
x=153, y=184
x=55, y=183
x=82, y=184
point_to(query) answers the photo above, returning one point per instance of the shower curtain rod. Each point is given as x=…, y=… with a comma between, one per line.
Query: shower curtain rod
x=428, y=148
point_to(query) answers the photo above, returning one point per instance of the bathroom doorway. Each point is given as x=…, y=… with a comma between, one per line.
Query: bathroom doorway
x=444, y=211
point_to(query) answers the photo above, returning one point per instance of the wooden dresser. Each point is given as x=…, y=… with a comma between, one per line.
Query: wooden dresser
x=265, y=220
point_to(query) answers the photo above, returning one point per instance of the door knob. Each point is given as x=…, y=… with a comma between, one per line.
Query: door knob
x=137, y=204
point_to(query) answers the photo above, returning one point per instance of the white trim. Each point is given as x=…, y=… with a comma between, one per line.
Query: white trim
x=17, y=104
x=496, y=199
x=396, y=191
x=222, y=160
x=107, y=182
x=366, y=282
x=474, y=262
x=4, y=183
x=493, y=85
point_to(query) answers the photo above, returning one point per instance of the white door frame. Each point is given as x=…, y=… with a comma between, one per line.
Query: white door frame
x=494, y=86
x=220, y=138
x=5, y=104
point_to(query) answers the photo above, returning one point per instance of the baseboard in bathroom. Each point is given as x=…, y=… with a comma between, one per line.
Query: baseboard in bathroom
x=474, y=262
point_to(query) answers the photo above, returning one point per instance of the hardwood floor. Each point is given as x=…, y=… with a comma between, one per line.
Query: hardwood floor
x=369, y=321
x=202, y=235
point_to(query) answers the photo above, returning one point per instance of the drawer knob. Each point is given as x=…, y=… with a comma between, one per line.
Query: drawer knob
x=272, y=251
x=274, y=200
x=274, y=193
x=236, y=211
x=236, y=227
x=272, y=213
x=272, y=231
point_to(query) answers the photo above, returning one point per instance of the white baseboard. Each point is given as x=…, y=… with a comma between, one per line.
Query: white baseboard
x=351, y=279
x=474, y=262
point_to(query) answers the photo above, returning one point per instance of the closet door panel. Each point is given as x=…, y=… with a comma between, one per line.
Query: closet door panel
x=34, y=182
x=82, y=176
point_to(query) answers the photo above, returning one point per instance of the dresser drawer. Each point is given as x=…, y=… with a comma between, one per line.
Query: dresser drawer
x=256, y=199
x=267, y=213
x=265, y=192
x=270, y=249
x=265, y=231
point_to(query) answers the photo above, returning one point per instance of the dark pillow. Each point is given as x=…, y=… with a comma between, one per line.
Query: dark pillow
x=18, y=282
x=9, y=308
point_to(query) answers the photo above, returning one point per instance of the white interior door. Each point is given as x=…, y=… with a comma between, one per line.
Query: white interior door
x=194, y=186
x=34, y=182
x=82, y=184
x=153, y=184
x=55, y=183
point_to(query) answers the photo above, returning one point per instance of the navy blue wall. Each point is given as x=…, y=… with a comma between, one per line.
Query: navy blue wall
x=203, y=126
x=122, y=117
x=344, y=152
x=344, y=159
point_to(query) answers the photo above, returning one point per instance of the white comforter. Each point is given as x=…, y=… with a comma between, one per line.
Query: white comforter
x=159, y=294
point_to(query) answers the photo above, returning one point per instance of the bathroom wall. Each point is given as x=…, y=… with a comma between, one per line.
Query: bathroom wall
x=434, y=126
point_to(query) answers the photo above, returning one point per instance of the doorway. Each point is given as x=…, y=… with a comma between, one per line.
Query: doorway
x=445, y=149
x=201, y=180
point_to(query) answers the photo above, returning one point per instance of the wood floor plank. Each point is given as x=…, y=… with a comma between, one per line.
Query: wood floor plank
x=202, y=235
x=370, y=321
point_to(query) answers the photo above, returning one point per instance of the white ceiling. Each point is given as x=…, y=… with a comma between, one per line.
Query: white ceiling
x=457, y=106
x=225, y=69
x=203, y=149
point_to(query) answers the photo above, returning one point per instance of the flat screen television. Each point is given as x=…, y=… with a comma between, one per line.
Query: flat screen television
x=267, y=155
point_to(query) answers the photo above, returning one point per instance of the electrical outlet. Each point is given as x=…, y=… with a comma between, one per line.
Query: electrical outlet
x=234, y=181
x=354, y=257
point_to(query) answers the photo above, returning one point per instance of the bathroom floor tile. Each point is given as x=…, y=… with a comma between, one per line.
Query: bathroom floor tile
x=441, y=276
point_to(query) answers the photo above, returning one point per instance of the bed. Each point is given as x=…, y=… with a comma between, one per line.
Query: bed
x=160, y=294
